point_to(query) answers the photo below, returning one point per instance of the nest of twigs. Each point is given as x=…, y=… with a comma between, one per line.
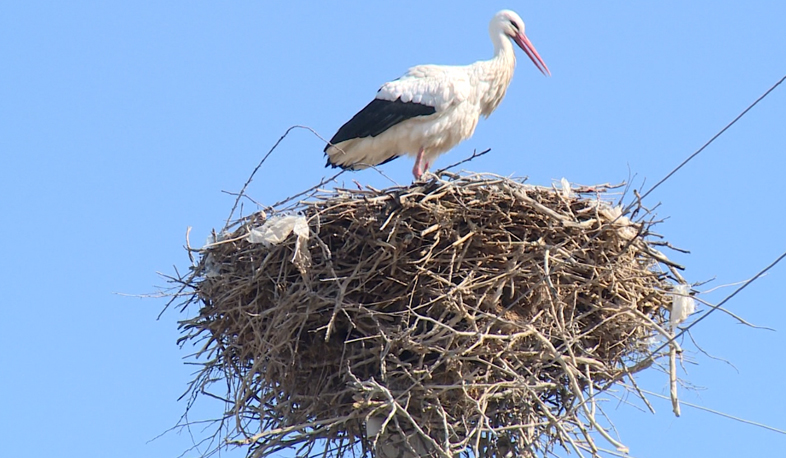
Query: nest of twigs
x=473, y=314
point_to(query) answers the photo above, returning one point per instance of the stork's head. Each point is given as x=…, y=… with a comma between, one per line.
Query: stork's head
x=508, y=23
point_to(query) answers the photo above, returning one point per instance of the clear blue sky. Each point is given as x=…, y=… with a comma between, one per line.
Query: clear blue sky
x=122, y=122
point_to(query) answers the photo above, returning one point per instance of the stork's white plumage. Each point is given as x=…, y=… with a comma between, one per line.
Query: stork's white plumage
x=432, y=108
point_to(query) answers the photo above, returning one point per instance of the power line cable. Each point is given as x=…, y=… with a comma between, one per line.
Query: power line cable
x=744, y=112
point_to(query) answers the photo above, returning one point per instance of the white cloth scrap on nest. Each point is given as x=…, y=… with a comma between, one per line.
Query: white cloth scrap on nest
x=277, y=228
x=682, y=305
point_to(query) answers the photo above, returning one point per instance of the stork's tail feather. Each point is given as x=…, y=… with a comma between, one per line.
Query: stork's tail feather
x=337, y=166
x=355, y=166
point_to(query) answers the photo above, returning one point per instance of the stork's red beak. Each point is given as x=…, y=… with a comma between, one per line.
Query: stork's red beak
x=532, y=53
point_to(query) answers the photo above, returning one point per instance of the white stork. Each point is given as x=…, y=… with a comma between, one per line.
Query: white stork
x=432, y=108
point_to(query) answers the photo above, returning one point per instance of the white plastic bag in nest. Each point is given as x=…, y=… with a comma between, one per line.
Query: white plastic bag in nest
x=277, y=229
x=625, y=226
x=682, y=305
x=627, y=229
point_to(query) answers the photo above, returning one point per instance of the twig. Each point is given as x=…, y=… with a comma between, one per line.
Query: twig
x=638, y=390
x=475, y=154
x=309, y=190
x=251, y=177
x=675, y=402
x=705, y=353
x=733, y=315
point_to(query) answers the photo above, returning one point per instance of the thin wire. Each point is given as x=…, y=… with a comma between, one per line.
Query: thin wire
x=713, y=138
x=719, y=305
x=716, y=412
x=762, y=272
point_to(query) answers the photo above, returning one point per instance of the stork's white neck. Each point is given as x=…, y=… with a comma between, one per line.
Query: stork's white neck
x=503, y=48
x=497, y=72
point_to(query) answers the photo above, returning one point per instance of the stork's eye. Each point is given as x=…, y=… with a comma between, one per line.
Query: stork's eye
x=515, y=26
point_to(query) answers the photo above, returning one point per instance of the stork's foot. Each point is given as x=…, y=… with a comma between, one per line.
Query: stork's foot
x=428, y=176
x=418, y=169
x=425, y=175
x=417, y=172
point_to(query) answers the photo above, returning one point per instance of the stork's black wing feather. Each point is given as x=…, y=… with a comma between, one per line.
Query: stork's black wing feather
x=377, y=117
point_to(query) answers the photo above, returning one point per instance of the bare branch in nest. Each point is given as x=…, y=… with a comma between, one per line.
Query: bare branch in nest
x=241, y=194
x=733, y=315
x=470, y=315
x=307, y=191
x=475, y=154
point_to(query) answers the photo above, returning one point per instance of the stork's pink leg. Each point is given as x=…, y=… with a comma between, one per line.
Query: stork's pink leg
x=417, y=170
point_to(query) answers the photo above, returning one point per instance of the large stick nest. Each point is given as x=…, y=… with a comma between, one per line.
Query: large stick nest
x=476, y=315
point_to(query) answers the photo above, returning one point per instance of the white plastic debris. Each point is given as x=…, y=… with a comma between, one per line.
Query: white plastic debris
x=682, y=305
x=277, y=229
x=214, y=238
x=613, y=214
x=211, y=268
x=567, y=193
